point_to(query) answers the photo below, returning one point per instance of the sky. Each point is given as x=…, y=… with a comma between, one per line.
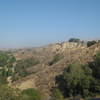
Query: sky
x=32, y=23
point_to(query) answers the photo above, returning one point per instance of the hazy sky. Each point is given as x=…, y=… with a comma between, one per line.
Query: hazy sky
x=29, y=23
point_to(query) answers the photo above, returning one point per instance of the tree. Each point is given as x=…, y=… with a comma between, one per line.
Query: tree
x=74, y=40
x=90, y=43
x=95, y=66
x=98, y=41
x=6, y=64
x=77, y=79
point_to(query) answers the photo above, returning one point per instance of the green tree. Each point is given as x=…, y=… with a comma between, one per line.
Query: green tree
x=95, y=66
x=77, y=79
x=6, y=64
x=74, y=40
x=90, y=43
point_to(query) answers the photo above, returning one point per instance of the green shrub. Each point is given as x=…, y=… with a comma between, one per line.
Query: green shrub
x=21, y=67
x=90, y=43
x=31, y=94
x=6, y=64
x=7, y=93
x=3, y=59
x=6, y=58
x=83, y=80
x=76, y=80
x=57, y=95
x=95, y=66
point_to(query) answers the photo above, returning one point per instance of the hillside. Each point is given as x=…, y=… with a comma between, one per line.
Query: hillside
x=52, y=59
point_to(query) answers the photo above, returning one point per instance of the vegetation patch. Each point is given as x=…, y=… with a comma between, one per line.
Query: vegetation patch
x=7, y=93
x=83, y=80
x=55, y=59
x=74, y=40
x=20, y=69
x=6, y=65
x=90, y=43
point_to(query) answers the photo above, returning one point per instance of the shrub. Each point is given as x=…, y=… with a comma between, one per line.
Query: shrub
x=95, y=66
x=98, y=41
x=7, y=93
x=3, y=59
x=76, y=80
x=90, y=43
x=83, y=80
x=57, y=95
x=55, y=59
x=6, y=58
x=31, y=94
x=21, y=67
x=6, y=64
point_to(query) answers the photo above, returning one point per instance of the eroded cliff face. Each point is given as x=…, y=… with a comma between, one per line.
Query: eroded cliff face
x=44, y=75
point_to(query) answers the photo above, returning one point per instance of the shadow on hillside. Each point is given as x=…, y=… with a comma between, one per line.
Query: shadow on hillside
x=61, y=85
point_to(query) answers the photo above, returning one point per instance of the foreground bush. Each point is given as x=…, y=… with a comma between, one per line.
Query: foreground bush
x=95, y=66
x=7, y=93
x=57, y=95
x=31, y=94
x=78, y=79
